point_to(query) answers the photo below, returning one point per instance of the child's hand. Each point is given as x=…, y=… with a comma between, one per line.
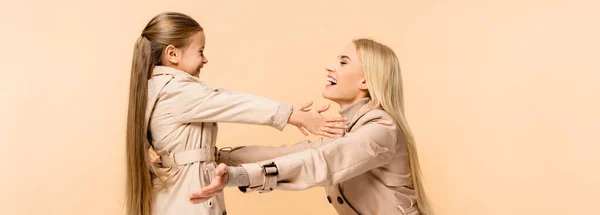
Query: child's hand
x=312, y=120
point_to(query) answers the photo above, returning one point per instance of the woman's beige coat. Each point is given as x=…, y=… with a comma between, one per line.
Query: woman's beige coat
x=364, y=172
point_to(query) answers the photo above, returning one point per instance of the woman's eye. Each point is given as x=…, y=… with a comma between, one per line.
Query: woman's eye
x=342, y=62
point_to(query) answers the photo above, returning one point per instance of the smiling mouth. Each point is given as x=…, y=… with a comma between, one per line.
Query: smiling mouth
x=331, y=81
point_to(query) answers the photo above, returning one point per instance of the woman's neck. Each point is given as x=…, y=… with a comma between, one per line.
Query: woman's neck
x=346, y=103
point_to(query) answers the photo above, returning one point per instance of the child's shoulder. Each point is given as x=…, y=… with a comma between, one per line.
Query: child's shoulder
x=177, y=83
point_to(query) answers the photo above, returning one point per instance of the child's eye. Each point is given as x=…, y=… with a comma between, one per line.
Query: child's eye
x=342, y=62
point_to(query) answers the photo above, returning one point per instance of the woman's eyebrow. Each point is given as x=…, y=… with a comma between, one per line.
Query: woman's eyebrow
x=344, y=56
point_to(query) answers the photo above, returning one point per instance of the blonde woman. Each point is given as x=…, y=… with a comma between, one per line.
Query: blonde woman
x=372, y=169
x=176, y=113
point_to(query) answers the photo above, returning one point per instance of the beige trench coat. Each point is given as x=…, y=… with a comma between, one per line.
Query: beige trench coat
x=364, y=172
x=182, y=115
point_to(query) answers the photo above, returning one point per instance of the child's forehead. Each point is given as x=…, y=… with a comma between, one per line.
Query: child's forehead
x=198, y=40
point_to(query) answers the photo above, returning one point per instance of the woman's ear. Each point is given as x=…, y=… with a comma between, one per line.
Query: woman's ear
x=363, y=85
x=172, y=54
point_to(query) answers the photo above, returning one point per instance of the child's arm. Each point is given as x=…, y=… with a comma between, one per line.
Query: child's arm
x=190, y=101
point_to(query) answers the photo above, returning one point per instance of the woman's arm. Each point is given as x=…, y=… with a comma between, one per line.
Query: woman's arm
x=369, y=147
x=250, y=154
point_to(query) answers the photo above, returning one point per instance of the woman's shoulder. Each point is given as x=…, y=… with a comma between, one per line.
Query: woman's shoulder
x=378, y=119
x=378, y=126
x=376, y=115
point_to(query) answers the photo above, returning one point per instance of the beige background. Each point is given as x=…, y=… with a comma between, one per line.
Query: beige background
x=503, y=96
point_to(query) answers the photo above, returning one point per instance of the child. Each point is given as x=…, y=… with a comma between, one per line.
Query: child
x=175, y=113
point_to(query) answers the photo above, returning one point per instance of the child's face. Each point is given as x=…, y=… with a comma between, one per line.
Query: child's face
x=192, y=58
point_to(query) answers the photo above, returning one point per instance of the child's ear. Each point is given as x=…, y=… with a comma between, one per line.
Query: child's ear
x=172, y=54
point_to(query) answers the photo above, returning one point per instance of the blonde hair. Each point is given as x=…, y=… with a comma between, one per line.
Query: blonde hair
x=163, y=30
x=382, y=72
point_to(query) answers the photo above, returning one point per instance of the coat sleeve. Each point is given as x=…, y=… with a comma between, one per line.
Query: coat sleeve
x=370, y=146
x=195, y=102
x=255, y=153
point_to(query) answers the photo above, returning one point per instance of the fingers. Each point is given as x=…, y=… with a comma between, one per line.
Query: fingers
x=207, y=192
x=302, y=130
x=221, y=170
x=325, y=134
x=337, y=129
x=336, y=119
x=198, y=200
x=323, y=108
x=154, y=157
x=336, y=125
x=213, y=188
x=332, y=131
x=305, y=105
x=200, y=195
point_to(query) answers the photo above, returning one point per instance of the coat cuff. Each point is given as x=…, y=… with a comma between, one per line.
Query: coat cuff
x=255, y=174
x=282, y=116
x=237, y=177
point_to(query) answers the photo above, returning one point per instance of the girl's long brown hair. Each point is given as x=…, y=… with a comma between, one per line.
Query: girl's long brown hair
x=163, y=30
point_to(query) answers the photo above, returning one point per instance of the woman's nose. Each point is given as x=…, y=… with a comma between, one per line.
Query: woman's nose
x=330, y=67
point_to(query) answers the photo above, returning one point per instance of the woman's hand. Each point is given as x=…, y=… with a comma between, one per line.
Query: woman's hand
x=154, y=157
x=216, y=186
x=312, y=120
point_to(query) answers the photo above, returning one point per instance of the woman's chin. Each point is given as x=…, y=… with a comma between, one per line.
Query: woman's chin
x=327, y=96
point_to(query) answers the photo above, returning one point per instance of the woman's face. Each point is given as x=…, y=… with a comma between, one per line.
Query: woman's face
x=346, y=81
